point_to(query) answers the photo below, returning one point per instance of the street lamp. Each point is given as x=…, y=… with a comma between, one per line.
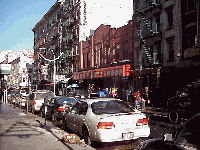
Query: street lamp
x=54, y=60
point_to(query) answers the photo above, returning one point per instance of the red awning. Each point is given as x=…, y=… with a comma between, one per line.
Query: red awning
x=122, y=70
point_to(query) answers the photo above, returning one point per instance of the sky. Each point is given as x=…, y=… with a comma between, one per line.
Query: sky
x=18, y=17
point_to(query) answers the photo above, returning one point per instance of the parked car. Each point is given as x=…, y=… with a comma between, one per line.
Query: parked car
x=56, y=107
x=78, y=93
x=185, y=104
x=106, y=120
x=16, y=99
x=36, y=99
x=12, y=94
x=186, y=136
x=22, y=101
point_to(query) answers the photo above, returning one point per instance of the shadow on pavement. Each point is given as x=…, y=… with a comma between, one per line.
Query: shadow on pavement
x=22, y=130
x=49, y=130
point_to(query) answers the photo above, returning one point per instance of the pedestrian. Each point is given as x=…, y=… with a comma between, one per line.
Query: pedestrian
x=137, y=97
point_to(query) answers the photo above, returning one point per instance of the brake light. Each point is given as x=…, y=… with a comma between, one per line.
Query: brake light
x=105, y=125
x=61, y=108
x=34, y=103
x=141, y=122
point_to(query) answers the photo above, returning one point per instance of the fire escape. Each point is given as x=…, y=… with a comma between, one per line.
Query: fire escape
x=151, y=29
x=70, y=37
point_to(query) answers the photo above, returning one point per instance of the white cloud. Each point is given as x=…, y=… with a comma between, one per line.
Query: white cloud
x=111, y=12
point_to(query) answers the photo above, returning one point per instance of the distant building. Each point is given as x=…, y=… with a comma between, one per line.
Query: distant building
x=19, y=73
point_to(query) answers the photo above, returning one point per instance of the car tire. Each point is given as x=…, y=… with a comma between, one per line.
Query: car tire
x=86, y=137
x=64, y=124
x=173, y=116
x=53, y=117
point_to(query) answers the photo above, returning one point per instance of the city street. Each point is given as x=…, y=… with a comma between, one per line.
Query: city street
x=21, y=131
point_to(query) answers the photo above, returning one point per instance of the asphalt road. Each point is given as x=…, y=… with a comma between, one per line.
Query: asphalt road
x=17, y=128
x=21, y=131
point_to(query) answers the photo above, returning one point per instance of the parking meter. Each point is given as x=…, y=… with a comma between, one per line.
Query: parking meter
x=27, y=105
x=45, y=107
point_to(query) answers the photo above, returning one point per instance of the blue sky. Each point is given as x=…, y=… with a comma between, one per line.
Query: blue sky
x=18, y=17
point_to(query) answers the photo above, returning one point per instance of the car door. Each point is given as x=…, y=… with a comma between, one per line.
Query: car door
x=80, y=116
x=50, y=106
x=70, y=117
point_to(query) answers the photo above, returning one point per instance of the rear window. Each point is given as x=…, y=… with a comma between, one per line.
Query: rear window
x=40, y=96
x=71, y=94
x=14, y=92
x=66, y=100
x=111, y=107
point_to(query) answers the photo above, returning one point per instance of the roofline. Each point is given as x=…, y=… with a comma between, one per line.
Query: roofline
x=46, y=15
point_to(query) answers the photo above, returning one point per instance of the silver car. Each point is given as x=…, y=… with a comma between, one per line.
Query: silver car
x=106, y=120
x=36, y=99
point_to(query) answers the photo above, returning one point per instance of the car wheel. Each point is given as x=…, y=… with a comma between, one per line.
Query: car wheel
x=64, y=124
x=86, y=137
x=173, y=116
x=53, y=117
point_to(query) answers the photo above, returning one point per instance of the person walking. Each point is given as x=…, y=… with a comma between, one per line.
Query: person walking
x=137, y=97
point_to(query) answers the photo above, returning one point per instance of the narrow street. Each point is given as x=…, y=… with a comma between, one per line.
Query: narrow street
x=19, y=130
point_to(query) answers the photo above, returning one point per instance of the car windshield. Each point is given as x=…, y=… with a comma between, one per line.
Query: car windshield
x=81, y=92
x=42, y=95
x=14, y=92
x=111, y=107
x=66, y=100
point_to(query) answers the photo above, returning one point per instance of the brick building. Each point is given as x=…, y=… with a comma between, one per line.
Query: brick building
x=48, y=34
x=165, y=41
x=106, y=58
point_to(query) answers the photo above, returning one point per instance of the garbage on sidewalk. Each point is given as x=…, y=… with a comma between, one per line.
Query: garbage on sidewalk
x=71, y=139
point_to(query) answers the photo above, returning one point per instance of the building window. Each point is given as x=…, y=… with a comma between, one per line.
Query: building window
x=125, y=50
x=101, y=56
x=108, y=55
x=95, y=56
x=88, y=59
x=191, y=5
x=169, y=17
x=170, y=44
x=84, y=63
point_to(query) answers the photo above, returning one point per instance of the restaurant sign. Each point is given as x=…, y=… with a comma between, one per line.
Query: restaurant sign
x=122, y=70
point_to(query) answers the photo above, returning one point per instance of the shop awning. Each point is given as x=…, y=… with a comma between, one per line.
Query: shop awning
x=122, y=70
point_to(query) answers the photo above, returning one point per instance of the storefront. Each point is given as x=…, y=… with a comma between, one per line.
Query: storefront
x=102, y=78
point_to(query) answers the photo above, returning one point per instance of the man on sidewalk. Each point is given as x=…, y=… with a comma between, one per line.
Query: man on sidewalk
x=137, y=97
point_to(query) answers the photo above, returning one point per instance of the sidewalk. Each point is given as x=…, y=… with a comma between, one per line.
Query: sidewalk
x=153, y=110
x=21, y=131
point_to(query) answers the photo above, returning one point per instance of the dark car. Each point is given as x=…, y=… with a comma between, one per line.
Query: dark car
x=56, y=107
x=186, y=136
x=13, y=95
x=78, y=93
x=185, y=104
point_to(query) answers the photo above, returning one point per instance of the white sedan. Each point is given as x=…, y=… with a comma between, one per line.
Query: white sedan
x=106, y=120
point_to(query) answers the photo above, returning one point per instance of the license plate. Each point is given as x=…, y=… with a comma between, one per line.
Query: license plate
x=128, y=135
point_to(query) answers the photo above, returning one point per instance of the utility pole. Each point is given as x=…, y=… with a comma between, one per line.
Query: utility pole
x=54, y=78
